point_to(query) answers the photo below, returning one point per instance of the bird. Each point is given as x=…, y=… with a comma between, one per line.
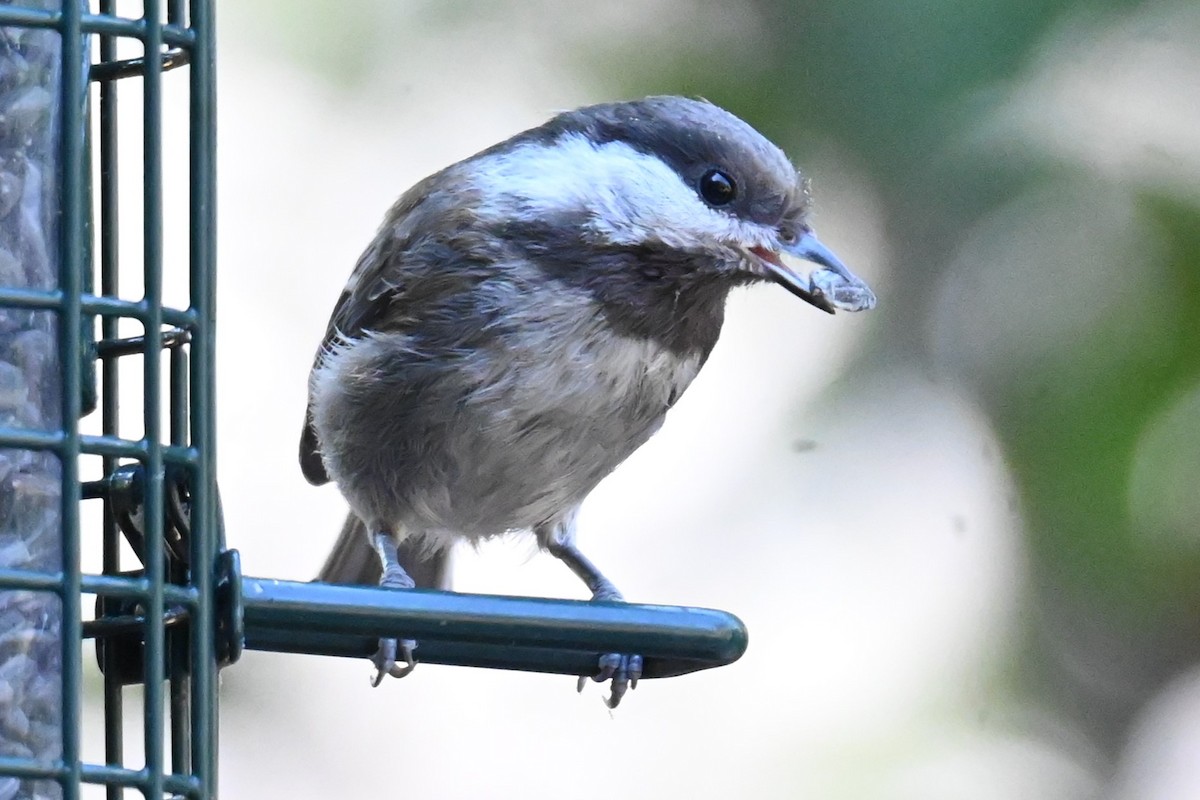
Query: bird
x=524, y=319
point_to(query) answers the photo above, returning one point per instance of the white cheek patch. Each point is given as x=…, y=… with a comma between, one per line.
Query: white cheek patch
x=628, y=197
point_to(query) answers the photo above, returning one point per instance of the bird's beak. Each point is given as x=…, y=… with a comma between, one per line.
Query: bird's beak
x=831, y=287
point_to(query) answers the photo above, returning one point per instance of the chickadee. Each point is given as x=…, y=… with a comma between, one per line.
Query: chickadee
x=523, y=321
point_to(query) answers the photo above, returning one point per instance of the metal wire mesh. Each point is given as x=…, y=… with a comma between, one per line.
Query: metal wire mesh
x=156, y=617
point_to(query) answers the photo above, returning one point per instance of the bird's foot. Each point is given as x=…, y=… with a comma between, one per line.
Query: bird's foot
x=385, y=659
x=624, y=672
x=391, y=649
x=621, y=669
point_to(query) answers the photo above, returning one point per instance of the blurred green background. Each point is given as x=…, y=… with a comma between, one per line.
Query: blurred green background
x=963, y=528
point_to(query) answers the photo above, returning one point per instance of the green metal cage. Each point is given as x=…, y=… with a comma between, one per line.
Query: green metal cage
x=167, y=606
x=46, y=74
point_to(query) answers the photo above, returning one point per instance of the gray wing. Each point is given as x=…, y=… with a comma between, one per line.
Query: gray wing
x=415, y=276
x=363, y=304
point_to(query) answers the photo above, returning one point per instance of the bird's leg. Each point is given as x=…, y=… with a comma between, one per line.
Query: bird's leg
x=623, y=670
x=393, y=577
x=600, y=587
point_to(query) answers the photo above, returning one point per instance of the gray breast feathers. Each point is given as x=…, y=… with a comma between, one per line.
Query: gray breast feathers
x=504, y=433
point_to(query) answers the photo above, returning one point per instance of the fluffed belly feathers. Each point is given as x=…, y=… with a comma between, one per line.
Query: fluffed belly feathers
x=470, y=442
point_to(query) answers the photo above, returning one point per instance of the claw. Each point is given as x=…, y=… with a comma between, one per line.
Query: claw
x=610, y=667
x=385, y=659
x=623, y=671
x=635, y=671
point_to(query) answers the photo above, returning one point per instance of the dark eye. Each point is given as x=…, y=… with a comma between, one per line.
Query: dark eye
x=717, y=188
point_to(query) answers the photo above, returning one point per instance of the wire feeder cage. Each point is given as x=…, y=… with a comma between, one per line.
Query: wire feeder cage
x=62, y=68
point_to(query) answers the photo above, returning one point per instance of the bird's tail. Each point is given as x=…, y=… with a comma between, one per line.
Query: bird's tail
x=354, y=560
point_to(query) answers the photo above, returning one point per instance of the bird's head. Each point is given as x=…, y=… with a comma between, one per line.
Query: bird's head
x=671, y=176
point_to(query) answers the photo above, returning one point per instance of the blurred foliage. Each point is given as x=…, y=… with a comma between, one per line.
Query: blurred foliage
x=905, y=88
